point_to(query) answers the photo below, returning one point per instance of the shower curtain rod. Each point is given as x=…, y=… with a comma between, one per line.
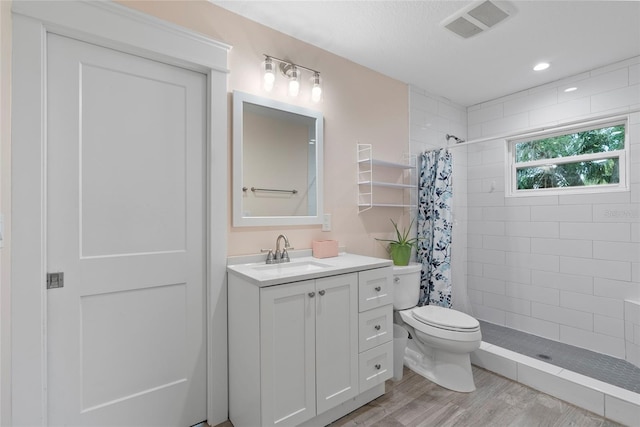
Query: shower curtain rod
x=538, y=130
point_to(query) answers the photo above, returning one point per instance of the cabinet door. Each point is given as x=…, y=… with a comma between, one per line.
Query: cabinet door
x=287, y=338
x=336, y=340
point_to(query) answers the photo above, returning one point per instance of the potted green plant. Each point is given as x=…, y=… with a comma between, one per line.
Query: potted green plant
x=400, y=247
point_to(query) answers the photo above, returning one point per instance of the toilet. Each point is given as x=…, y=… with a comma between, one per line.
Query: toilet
x=442, y=339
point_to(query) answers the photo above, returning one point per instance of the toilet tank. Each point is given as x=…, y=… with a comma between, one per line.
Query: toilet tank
x=406, y=286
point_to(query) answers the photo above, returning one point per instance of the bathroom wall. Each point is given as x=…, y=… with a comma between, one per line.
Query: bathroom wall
x=5, y=208
x=432, y=118
x=359, y=105
x=560, y=267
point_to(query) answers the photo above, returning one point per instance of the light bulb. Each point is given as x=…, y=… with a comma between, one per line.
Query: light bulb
x=269, y=75
x=294, y=84
x=316, y=91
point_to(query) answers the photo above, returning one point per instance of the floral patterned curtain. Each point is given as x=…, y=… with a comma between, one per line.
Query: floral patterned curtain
x=435, y=226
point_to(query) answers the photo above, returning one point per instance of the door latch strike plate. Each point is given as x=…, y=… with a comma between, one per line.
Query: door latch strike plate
x=55, y=280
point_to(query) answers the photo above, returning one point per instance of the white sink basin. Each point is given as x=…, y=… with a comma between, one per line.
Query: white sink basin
x=291, y=267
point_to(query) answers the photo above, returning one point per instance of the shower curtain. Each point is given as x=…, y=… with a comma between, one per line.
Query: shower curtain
x=435, y=226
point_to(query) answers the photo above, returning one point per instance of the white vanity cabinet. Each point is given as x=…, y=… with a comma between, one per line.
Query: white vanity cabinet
x=295, y=353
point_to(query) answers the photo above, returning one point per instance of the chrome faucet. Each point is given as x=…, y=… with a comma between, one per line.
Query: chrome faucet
x=282, y=256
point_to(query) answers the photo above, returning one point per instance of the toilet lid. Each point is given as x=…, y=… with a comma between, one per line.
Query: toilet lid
x=446, y=318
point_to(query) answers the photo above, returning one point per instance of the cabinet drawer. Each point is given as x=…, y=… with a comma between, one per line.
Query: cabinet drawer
x=376, y=366
x=375, y=327
x=375, y=288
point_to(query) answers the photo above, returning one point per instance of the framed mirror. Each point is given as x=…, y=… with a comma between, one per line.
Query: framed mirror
x=277, y=163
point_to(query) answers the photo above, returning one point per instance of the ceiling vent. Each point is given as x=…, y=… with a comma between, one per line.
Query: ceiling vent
x=478, y=17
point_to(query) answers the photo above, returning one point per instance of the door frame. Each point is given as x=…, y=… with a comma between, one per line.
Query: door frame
x=114, y=26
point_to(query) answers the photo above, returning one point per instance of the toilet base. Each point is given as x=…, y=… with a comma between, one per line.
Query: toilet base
x=449, y=370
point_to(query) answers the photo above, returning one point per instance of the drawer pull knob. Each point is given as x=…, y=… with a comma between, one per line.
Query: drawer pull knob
x=321, y=292
x=378, y=288
x=377, y=327
x=396, y=279
x=312, y=294
x=378, y=366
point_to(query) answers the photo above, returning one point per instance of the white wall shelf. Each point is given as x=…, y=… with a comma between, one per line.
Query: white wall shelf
x=367, y=164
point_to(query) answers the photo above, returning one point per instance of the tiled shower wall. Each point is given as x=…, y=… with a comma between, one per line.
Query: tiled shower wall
x=560, y=267
x=432, y=118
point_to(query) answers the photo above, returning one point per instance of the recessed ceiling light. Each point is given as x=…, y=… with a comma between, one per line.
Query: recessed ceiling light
x=541, y=66
x=570, y=89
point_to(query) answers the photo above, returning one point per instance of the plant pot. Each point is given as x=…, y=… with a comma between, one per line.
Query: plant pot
x=400, y=254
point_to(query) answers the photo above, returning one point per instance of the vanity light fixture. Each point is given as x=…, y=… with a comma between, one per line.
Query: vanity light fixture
x=269, y=75
x=292, y=72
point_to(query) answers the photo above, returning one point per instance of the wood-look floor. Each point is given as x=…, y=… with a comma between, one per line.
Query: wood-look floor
x=497, y=401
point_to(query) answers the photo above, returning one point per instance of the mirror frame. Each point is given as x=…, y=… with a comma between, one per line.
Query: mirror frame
x=239, y=99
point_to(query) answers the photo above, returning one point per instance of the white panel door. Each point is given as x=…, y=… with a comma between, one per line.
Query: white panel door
x=336, y=340
x=287, y=338
x=125, y=223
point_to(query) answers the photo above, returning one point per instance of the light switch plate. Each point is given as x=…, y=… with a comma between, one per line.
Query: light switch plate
x=326, y=222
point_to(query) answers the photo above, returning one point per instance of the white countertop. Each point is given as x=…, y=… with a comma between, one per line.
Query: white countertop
x=300, y=268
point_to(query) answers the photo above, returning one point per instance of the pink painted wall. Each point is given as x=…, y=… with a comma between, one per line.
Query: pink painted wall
x=359, y=105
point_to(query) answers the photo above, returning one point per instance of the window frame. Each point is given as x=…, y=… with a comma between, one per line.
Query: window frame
x=511, y=184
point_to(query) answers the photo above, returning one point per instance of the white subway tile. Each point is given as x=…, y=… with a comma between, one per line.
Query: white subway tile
x=609, y=326
x=617, y=212
x=506, y=213
x=619, y=251
x=616, y=289
x=533, y=101
x=635, y=272
x=513, y=305
x=483, y=115
x=488, y=357
x=474, y=269
x=507, y=124
x=616, y=65
x=486, y=256
x=615, y=270
x=565, y=213
x=563, y=282
x=563, y=316
x=423, y=102
x=595, y=198
x=538, y=327
x=600, y=83
x=632, y=312
x=592, y=304
x=489, y=314
x=485, y=284
x=490, y=185
x=592, y=341
x=475, y=297
x=485, y=199
x=559, y=112
x=577, y=248
x=507, y=243
x=626, y=96
x=486, y=171
x=492, y=228
x=533, y=261
x=474, y=213
x=531, y=201
x=495, y=155
x=510, y=274
x=595, y=231
x=475, y=241
x=532, y=229
x=533, y=293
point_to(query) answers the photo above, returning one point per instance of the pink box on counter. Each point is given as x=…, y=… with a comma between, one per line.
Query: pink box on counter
x=324, y=248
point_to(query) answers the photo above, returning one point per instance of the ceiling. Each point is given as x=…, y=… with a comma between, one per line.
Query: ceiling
x=405, y=40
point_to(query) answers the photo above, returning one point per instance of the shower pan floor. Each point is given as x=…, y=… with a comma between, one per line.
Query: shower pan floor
x=601, y=367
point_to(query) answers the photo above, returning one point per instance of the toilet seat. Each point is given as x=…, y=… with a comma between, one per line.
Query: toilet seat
x=445, y=318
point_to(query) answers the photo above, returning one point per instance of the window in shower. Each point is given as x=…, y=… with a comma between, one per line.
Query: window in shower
x=586, y=158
